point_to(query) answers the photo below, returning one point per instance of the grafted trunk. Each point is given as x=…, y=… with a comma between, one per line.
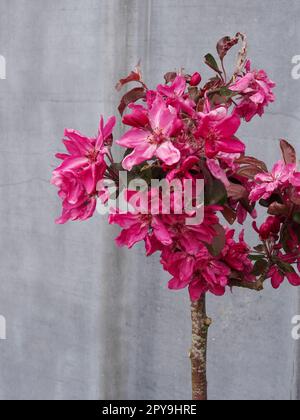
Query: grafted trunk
x=200, y=325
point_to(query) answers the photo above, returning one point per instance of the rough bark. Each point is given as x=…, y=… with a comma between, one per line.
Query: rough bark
x=200, y=325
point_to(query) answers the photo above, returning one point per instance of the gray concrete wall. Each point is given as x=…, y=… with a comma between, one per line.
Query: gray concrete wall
x=85, y=320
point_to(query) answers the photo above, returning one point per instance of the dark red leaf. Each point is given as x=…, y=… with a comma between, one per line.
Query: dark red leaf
x=288, y=152
x=229, y=215
x=249, y=160
x=249, y=171
x=225, y=44
x=250, y=167
x=278, y=209
x=133, y=77
x=170, y=77
x=131, y=97
x=236, y=192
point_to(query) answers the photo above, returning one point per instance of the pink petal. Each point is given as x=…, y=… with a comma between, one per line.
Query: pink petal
x=277, y=279
x=160, y=232
x=176, y=284
x=168, y=154
x=129, y=237
x=294, y=279
x=229, y=126
x=264, y=178
x=140, y=154
x=124, y=220
x=232, y=145
x=105, y=131
x=134, y=138
x=257, y=98
x=278, y=168
x=72, y=164
x=109, y=126
x=217, y=171
x=83, y=143
x=179, y=85
x=162, y=118
x=196, y=290
x=242, y=83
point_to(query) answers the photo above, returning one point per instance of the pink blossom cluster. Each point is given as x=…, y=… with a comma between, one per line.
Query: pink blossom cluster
x=83, y=168
x=188, y=130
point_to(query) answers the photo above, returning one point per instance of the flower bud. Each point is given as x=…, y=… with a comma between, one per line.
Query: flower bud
x=195, y=79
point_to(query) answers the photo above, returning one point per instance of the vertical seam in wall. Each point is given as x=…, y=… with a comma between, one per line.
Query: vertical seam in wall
x=148, y=40
x=112, y=377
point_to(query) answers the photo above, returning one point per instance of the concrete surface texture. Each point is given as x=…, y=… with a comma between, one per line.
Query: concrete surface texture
x=85, y=320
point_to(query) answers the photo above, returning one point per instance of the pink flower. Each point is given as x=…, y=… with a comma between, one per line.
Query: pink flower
x=192, y=237
x=77, y=203
x=138, y=118
x=278, y=276
x=175, y=95
x=184, y=170
x=217, y=132
x=200, y=272
x=154, y=141
x=86, y=155
x=82, y=168
x=256, y=90
x=268, y=183
x=213, y=278
x=295, y=180
x=236, y=255
x=269, y=229
x=139, y=226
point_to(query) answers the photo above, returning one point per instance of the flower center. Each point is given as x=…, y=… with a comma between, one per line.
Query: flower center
x=157, y=137
x=92, y=155
x=146, y=219
x=213, y=136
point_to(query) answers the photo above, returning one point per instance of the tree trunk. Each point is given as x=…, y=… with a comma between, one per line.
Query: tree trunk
x=200, y=325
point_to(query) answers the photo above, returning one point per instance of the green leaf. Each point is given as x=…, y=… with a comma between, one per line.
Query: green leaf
x=215, y=193
x=224, y=91
x=212, y=63
x=256, y=257
x=259, y=267
x=260, y=248
x=219, y=241
x=285, y=267
x=296, y=218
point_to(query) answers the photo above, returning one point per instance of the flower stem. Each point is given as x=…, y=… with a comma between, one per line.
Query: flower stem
x=200, y=325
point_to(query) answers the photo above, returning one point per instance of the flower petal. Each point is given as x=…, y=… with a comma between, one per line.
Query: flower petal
x=168, y=153
x=134, y=138
x=140, y=154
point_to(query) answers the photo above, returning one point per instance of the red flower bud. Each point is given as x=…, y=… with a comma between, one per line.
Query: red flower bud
x=195, y=79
